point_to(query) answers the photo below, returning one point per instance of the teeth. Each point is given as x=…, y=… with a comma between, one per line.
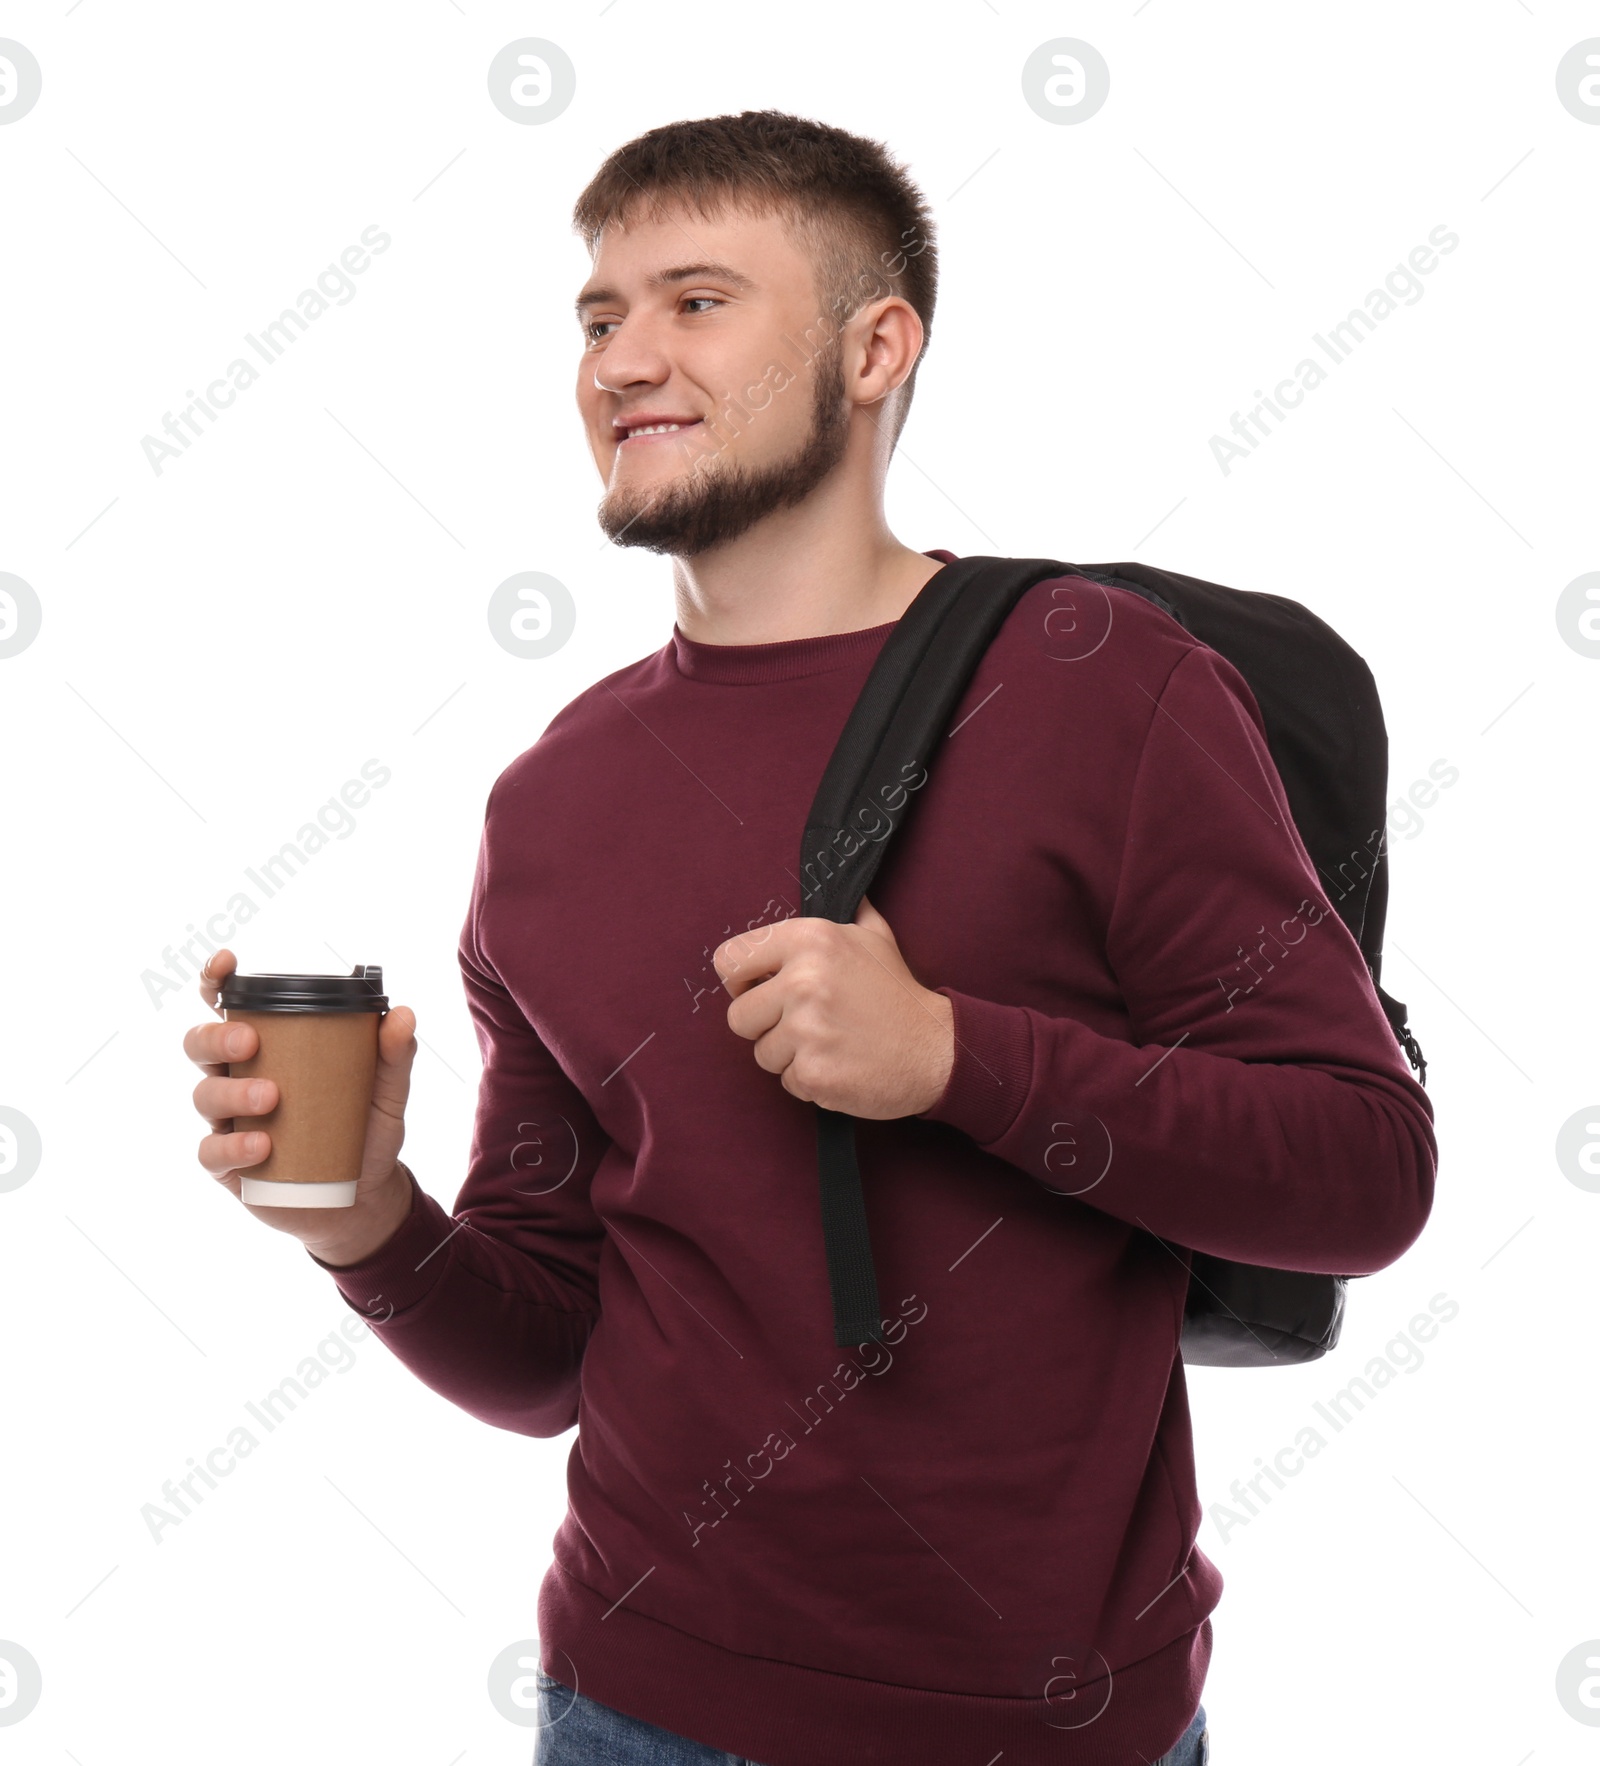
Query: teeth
x=656, y=429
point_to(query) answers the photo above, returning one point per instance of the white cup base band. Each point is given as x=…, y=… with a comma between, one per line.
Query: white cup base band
x=263, y=1193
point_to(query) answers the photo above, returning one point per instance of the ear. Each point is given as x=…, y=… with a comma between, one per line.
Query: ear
x=890, y=334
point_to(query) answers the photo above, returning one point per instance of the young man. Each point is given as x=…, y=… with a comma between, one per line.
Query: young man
x=1074, y=1051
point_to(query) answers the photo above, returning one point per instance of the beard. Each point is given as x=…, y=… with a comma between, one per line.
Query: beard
x=718, y=502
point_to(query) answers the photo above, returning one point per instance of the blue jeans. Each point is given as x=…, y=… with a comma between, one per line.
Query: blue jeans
x=579, y=1731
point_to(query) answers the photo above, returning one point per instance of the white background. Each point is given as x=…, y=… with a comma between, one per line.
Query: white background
x=225, y=643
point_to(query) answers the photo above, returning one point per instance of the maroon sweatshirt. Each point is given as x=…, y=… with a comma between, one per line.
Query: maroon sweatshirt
x=978, y=1539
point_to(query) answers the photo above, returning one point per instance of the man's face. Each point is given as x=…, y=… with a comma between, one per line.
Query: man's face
x=707, y=325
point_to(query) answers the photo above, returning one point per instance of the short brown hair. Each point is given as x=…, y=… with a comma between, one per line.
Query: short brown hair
x=863, y=221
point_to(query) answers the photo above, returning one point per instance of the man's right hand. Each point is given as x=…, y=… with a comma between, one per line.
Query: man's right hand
x=383, y=1189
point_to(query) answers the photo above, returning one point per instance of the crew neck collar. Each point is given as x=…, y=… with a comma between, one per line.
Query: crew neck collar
x=787, y=660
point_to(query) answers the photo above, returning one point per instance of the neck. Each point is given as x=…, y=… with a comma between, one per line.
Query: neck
x=828, y=565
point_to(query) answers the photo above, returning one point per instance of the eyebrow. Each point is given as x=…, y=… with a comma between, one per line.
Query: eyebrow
x=594, y=297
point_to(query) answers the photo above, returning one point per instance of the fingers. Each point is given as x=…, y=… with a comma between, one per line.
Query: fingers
x=218, y=967
x=213, y=1045
x=775, y=1051
x=756, y=1011
x=220, y=1099
x=791, y=1083
x=222, y=1153
x=750, y=957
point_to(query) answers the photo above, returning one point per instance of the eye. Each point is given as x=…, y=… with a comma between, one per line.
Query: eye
x=594, y=331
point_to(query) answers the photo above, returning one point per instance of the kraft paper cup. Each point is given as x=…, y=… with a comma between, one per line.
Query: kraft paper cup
x=319, y=1042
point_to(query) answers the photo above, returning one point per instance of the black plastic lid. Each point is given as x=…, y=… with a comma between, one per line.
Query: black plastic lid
x=359, y=991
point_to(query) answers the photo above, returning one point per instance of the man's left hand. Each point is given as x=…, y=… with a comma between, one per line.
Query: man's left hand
x=836, y=1013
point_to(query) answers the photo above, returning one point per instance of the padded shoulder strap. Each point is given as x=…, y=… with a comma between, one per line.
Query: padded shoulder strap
x=867, y=789
x=889, y=738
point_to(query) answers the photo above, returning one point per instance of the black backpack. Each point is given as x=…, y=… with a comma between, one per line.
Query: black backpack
x=1326, y=735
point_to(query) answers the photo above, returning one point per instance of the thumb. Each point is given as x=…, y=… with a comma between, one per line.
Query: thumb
x=870, y=920
x=397, y=1046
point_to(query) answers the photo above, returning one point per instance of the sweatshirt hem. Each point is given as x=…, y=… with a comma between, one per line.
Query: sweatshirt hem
x=783, y=1714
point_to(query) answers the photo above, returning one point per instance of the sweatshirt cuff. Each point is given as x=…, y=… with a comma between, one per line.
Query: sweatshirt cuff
x=404, y=1268
x=993, y=1070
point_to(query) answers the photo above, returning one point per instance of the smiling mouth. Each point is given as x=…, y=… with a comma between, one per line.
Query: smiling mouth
x=658, y=432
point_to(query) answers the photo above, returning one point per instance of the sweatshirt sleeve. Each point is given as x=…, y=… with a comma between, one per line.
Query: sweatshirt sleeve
x=1263, y=1111
x=492, y=1305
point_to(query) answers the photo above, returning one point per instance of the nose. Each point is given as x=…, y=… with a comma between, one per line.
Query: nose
x=633, y=357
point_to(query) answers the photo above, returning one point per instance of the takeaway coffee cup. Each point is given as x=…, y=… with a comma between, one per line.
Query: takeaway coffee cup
x=319, y=1041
